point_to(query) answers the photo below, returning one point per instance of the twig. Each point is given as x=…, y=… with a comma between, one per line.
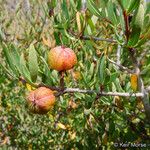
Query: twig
x=86, y=37
x=120, y=66
x=97, y=39
x=21, y=79
x=118, y=55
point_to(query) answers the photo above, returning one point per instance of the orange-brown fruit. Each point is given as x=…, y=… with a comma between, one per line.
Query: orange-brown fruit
x=41, y=100
x=61, y=58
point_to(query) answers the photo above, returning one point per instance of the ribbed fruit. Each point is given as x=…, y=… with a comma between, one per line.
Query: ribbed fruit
x=41, y=100
x=61, y=58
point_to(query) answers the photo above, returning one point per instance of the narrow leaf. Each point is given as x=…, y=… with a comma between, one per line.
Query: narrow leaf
x=65, y=9
x=111, y=13
x=133, y=5
x=139, y=18
x=102, y=67
x=137, y=25
x=24, y=70
x=134, y=37
x=15, y=57
x=93, y=8
x=9, y=59
x=33, y=63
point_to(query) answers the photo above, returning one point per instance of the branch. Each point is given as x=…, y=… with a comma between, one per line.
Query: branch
x=97, y=39
x=145, y=98
x=77, y=90
x=120, y=66
x=86, y=37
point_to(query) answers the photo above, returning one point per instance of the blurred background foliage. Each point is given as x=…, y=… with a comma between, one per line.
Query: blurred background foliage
x=78, y=121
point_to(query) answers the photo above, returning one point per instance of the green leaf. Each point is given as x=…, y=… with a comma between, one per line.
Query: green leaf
x=15, y=57
x=51, y=4
x=2, y=79
x=24, y=70
x=113, y=76
x=65, y=9
x=84, y=78
x=48, y=76
x=133, y=5
x=73, y=4
x=147, y=8
x=137, y=25
x=91, y=22
x=1, y=34
x=103, y=3
x=139, y=17
x=101, y=70
x=91, y=71
x=134, y=37
x=124, y=3
x=147, y=22
x=47, y=68
x=93, y=8
x=111, y=12
x=118, y=86
x=33, y=62
x=57, y=38
x=141, y=42
x=9, y=59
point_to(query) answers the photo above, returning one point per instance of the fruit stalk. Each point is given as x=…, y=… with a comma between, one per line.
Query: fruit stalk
x=62, y=83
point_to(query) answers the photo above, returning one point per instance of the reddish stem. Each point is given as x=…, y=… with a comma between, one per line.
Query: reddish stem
x=127, y=29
